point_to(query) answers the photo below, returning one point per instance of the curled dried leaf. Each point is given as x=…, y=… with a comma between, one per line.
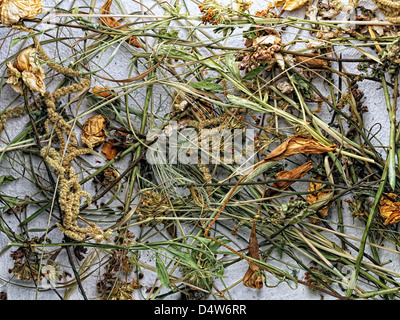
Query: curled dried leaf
x=298, y=145
x=26, y=70
x=314, y=197
x=11, y=11
x=290, y=5
x=94, y=131
x=311, y=62
x=296, y=173
x=253, y=277
x=390, y=209
x=113, y=23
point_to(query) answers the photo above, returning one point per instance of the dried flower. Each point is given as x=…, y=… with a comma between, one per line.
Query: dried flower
x=298, y=145
x=264, y=49
x=284, y=87
x=290, y=5
x=94, y=131
x=315, y=196
x=296, y=173
x=113, y=23
x=390, y=209
x=26, y=70
x=213, y=12
x=11, y=11
x=253, y=277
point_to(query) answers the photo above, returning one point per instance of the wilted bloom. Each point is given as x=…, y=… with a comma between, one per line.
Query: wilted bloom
x=389, y=208
x=94, y=131
x=11, y=11
x=26, y=70
x=290, y=5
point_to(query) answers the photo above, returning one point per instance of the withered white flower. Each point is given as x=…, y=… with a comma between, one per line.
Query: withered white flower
x=11, y=11
x=26, y=70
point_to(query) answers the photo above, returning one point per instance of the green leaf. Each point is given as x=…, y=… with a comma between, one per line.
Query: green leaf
x=253, y=73
x=212, y=245
x=206, y=85
x=162, y=271
x=184, y=256
x=246, y=103
x=232, y=66
x=6, y=179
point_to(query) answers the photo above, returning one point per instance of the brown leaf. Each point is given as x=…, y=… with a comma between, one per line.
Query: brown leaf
x=94, y=131
x=390, y=210
x=253, y=277
x=312, y=62
x=297, y=144
x=296, y=173
x=313, y=197
x=111, y=22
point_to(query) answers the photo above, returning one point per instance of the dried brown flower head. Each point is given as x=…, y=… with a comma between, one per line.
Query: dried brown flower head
x=315, y=196
x=26, y=69
x=390, y=209
x=94, y=131
x=290, y=5
x=11, y=11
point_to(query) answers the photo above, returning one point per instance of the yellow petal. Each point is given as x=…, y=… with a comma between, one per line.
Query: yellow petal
x=26, y=68
x=34, y=81
x=14, y=78
x=290, y=5
x=11, y=11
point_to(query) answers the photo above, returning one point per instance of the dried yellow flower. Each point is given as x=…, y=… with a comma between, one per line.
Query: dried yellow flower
x=93, y=131
x=390, y=210
x=11, y=11
x=314, y=197
x=26, y=70
x=290, y=5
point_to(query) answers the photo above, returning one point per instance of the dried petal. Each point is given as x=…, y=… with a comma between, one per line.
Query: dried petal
x=284, y=87
x=290, y=5
x=113, y=23
x=14, y=78
x=253, y=277
x=297, y=144
x=26, y=69
x=94, y=131
x=111, y=149
x=390, y=210
x=296, y=173
x=313, y=197
x=11, y=11
x=312, y=62
x=103, y=92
